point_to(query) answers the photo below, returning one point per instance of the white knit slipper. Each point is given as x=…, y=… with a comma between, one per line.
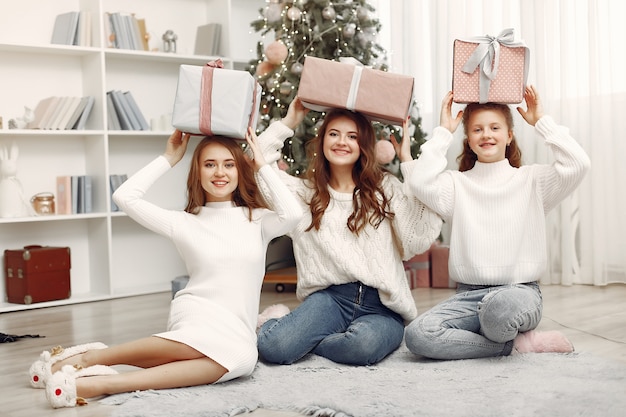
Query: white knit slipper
x=541, y=342
x=275, y=311
x=40, y=370
x=61, y=386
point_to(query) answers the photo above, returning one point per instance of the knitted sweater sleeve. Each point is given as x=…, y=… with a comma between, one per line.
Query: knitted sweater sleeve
x=129, y=197
x=429, y=180
x=571, y=163
x=415, y=225
x=271, y=142
x=287, y=211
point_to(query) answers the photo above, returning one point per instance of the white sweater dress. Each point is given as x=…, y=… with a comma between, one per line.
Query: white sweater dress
x=216, y=313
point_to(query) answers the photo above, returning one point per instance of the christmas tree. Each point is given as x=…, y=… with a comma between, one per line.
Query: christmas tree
x=324, y=29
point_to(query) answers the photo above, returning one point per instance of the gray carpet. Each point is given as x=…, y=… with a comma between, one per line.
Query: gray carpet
x=403, y=385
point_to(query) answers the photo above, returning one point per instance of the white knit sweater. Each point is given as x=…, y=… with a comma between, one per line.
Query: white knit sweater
x=333, y=255
x=497, y=212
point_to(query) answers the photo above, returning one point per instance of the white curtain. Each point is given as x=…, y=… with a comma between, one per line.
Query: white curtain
x=578, y=63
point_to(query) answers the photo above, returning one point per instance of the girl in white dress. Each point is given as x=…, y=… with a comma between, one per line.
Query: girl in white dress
x=222, y=236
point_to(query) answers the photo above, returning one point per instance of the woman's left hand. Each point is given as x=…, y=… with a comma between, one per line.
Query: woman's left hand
x=258, y=161
x=176, y=146
x=403, y=150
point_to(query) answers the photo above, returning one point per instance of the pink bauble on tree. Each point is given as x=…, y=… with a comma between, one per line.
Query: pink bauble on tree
x=384, y=151
x=264, y=68
x=276, y=52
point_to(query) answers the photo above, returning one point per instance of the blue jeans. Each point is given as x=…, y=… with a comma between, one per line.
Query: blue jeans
x=478, y=322
x=345, y=323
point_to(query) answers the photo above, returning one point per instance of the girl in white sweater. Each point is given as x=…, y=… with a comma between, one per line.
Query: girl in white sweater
x=222, y=236
x=496, y=209
x=359, y=223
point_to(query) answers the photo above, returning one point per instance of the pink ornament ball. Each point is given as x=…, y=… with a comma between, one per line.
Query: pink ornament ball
x=264, y=68
x=283, y=165
x=276, y=52
x=385, y=153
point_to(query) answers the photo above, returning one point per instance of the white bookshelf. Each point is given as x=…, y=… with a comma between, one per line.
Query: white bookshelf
x=111, y=255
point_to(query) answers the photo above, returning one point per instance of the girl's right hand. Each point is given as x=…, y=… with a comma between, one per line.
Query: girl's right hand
x=445, y=117
x=176, y=147
x=295, y=114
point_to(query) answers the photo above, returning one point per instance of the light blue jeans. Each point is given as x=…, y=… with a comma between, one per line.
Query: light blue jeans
x=477, y=322
x=345, y=323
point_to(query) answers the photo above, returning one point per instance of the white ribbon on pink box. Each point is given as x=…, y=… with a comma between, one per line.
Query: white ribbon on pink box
x=379, y=95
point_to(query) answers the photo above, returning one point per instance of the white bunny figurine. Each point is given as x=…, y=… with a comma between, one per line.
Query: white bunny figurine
x=12, y=200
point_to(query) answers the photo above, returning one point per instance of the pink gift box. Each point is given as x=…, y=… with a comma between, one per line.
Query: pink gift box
x=490, y=69
x=417, y=270
x=439, y=275
x=211, y=100
x=379, y=95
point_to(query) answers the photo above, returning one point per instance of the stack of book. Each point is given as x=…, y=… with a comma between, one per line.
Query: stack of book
x=62, y=113
x=74, y=194
x=125, y=31
x=123, y=112
x=115, y=181
x=72, y=28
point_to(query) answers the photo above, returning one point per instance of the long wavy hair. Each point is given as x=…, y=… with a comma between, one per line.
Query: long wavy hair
x=369, y=202
x=467, y=159
x=246, y=194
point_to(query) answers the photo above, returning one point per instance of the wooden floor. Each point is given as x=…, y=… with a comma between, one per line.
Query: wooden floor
x=594, y=318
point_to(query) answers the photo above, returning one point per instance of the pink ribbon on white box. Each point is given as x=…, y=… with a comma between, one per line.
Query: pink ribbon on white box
x=206, y=93
x=486, y=57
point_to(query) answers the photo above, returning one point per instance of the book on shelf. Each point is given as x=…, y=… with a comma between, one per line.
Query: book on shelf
x=64, y=194
x=134, y=123
x=125, y=31
x=87, y=194
x=74, y=192
x=128, y=113
x=84, y=31
x=68, y=111
x=119, y=110
x=143, y=32
x=143, y=124
x=59, y=111
x=109, y=33
x=115, y=180
x=42, y=111
x=78, y=110
x=113, y=121
x=81, y=187
x=208, y=39
x=65, y=28
x=81, y=123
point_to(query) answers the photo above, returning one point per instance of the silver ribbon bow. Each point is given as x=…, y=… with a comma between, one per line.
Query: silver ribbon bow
x=487, y=57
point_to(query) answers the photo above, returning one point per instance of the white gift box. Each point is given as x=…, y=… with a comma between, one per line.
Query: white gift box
x=215, y=101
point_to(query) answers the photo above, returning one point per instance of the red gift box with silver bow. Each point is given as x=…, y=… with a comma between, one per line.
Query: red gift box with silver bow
x=212, y=100
x=490, y=69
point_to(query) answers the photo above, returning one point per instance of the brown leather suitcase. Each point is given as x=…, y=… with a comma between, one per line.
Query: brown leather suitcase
x=37, y=273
